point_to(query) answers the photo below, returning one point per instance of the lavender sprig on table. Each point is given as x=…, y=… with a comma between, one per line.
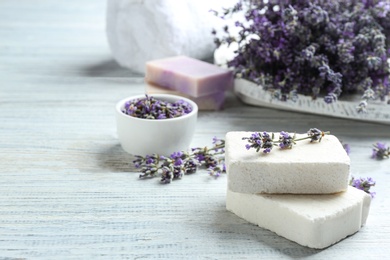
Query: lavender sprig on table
x=363, y=184
x=315, y=48
x=152, y=108
x=179, y=164
x=267, y=141
x=380, y=151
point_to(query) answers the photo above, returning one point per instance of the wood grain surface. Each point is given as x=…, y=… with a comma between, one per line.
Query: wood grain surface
x=68, y=190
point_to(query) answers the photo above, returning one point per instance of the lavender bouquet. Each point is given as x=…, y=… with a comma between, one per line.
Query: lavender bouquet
x=317, y=48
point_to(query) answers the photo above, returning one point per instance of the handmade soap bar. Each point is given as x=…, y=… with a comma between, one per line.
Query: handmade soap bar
x=316, y=221
x=189, y=76
x=209, y=102
x=307, y=168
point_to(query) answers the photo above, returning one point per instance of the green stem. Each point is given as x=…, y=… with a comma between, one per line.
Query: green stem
x=309, y=137
x=304, y=138
x=217, y=147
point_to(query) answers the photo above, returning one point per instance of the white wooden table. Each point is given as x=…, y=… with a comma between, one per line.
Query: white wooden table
x=68, y=190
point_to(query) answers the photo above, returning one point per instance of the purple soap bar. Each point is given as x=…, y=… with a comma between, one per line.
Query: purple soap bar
x=209, y=102
x=189, y=76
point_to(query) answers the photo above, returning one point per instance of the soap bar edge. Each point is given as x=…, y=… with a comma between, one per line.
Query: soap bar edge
x=234, y=205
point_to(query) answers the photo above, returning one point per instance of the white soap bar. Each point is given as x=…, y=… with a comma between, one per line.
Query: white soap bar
x=315, y=221
x=307, y=168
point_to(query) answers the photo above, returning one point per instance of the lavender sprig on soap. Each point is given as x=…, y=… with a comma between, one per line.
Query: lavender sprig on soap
x=266, y=141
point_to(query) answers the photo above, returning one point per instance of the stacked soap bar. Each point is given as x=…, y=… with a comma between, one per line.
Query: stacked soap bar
x=301, y=194
x=315, y=221
x=308, y=168
x=200, y=81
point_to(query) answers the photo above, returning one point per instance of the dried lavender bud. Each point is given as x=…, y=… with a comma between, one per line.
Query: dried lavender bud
x=330, y=98
x=148, y=165
x=286, y=140
x=362, y=107
x=347, y=148
x=380, y=151
x=167, y=175
x=315, y=134
x=260, y=141
x=369, y=94
x=190, y=166
x=151, y=108
x=363, y=184
x=267, y=142
x=216, y=171
x=255, y=141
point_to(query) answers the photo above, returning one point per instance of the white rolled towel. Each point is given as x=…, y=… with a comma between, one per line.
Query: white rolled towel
x=143, y=30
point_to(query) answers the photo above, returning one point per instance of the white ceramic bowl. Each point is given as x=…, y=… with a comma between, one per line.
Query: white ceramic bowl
x=162, y=136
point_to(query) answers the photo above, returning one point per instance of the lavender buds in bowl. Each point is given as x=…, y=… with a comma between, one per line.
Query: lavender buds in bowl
x=159, y=124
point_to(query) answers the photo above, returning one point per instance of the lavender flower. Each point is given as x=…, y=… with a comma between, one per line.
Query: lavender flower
x=266, y=141
x=151, y=108
x=368, y=95
x=315, y=134
x=363, y=184
x=317, y=48
x=347, y=148
x=148, y=165
x=177, y=158
x=166, y=176
x=380, y=151
x=190, y=166
x=216, y=171
x=286, y=140
x=330, y=98
x=181, y=163
x=259, y=141
x=254, y=141
x=209, y=157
